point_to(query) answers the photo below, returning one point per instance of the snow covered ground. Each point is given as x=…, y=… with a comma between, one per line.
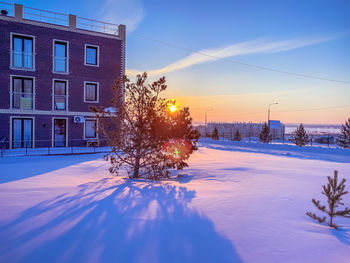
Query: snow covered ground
x=236, y=202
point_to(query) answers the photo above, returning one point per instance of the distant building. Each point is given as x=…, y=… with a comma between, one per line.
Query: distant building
x=53, y=67
x=246, y=129
x=325, y=139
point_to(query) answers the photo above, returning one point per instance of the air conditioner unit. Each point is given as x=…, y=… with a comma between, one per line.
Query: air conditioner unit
x=78, y=119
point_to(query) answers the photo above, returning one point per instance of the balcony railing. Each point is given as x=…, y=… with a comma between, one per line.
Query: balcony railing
x=60, y=64
x=23, y=100
x=60, y=102
x=23, y=60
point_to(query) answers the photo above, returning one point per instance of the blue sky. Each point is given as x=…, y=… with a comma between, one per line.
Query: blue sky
x=308, y=37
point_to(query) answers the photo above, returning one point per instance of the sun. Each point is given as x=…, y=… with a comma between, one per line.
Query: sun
x=172, y=108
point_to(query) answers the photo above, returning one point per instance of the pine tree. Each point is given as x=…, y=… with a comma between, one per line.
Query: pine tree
x=344, y=139
x=147, y=139
x=334, y=192
x=237, y=136
x=264, y=135
x=301, y=138
x=215, y=135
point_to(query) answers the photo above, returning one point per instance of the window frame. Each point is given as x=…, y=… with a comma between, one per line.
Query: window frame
x=53, y=94
x=96, y=125
x=12, y=66
x=67, y=56
x=97, y=55
x=97, y=92
x=12, y=92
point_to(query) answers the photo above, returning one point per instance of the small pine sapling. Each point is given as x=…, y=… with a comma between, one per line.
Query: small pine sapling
x=334, y=192
x=344, y=138
x=301, y=138
x=215, y=135
x=237, y=136
x=264, y=135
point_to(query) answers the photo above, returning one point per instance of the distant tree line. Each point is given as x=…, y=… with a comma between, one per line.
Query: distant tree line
x=300, y=136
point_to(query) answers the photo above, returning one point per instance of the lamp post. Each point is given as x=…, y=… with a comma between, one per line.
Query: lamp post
x=268, y=113
x=205, y=120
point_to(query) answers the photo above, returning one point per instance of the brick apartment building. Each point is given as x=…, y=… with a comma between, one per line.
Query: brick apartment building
x=52, y=68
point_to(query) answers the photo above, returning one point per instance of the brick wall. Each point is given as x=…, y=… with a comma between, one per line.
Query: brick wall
x=109, y=64
x=110, y=67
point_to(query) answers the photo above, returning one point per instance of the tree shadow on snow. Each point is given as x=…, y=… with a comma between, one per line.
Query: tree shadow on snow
x=105, y=221
x=182, y=178
x=342, y=234
x=18, y=168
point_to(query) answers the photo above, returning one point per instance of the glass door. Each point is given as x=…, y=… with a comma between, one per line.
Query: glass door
x=60, y=131
x=22, y=133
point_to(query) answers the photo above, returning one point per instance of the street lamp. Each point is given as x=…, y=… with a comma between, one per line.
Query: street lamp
x=205, y=120
x=268, y=114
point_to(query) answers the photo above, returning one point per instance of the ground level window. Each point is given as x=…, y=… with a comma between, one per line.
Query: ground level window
x=22, y=133
x=90, y=129
x=60, y=133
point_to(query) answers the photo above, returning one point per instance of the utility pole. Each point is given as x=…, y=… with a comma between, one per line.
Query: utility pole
x=268, y=113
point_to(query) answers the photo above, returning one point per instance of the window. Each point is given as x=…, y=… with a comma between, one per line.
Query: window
x=22, y=93
x=22, y=52
x=90, y=129
x=91, y=55
x=60, y=63
x=91, y=92
x=59, y=132
x=60, y=94
x=22, y=132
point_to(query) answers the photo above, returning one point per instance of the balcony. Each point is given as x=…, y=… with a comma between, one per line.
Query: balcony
x=20, y=12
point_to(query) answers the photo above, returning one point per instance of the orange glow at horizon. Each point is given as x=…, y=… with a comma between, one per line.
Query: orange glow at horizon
x=253, y=108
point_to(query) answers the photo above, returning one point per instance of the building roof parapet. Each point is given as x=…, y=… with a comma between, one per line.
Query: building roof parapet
x=19, y=13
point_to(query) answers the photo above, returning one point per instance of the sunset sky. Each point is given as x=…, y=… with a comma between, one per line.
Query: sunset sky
x=304, y=37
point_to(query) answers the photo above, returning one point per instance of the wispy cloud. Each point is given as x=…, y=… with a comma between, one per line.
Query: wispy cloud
x=258, y=46
x=127, y=12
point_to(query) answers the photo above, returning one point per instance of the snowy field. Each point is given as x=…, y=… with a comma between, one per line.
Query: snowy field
x=236, y=202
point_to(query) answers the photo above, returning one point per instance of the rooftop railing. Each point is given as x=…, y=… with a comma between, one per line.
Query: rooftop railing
x=35, y=14
x=45, y=16
x=97, y=26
